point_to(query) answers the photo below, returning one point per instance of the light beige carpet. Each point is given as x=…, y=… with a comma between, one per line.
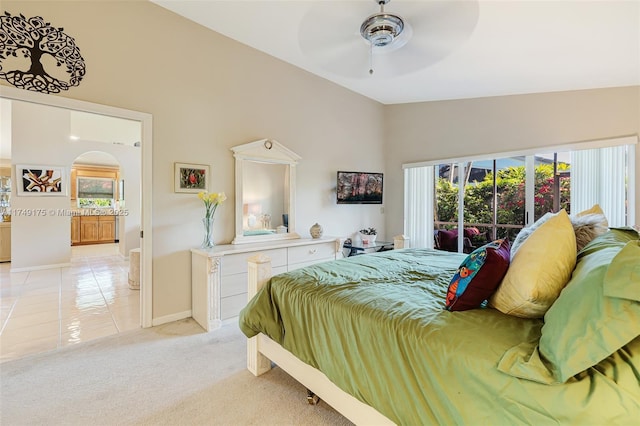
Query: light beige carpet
x=174, y=374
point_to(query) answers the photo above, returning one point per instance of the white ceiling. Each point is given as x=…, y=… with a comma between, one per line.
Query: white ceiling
x=89, y=127
x=84, y=127
x=466, y=49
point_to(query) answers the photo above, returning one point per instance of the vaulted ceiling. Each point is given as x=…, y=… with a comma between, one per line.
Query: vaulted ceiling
x=454, y=48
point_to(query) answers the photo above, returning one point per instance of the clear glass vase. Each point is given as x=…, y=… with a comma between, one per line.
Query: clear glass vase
x=208, y=242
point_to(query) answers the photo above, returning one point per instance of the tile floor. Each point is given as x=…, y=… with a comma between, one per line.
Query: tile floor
x=48, y=309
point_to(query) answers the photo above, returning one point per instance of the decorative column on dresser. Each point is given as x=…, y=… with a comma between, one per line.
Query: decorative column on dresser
x=219, y=275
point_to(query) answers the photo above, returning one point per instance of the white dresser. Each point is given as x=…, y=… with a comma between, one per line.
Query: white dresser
x=219, y=275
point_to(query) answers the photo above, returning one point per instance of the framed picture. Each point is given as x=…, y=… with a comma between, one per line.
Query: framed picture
x=191, y=178
x=359, y=188
x=33, y=180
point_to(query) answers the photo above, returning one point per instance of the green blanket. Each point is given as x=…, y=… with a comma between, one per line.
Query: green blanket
x=376, y=327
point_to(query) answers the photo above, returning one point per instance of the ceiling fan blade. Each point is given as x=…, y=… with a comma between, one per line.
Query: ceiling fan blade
x=443, y=25
x=329, y=34
x=437, y=28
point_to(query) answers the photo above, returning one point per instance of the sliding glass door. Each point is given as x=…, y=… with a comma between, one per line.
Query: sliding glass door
x=474, y=202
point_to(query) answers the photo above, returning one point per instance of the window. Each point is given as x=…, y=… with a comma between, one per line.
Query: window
x=95, y=192
x=466, y=204
x=493, y=194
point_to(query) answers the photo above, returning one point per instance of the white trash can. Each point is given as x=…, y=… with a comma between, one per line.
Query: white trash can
x=134, y=269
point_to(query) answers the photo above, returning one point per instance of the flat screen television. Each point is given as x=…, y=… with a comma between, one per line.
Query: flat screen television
x=359, y=188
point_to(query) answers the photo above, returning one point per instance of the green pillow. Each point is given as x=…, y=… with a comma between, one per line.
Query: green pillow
x=594, y=316
x=584, y=326
x=623, y=275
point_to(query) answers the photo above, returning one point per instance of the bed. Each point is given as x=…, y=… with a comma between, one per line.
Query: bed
x=370, y=336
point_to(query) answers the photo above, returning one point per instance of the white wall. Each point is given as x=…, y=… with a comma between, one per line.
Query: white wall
x=129, y=229
x=48, y=143
x=43, y=239
x=5, y=132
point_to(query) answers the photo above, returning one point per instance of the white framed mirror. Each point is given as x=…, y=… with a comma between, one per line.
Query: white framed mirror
x=265, y=192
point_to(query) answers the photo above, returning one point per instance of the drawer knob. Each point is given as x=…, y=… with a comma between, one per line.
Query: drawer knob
x=312, y=251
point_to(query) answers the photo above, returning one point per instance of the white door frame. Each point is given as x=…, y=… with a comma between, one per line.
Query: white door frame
x=145, y=119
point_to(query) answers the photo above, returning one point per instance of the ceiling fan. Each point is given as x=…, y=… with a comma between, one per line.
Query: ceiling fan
x=383, y=30
x=341, y=38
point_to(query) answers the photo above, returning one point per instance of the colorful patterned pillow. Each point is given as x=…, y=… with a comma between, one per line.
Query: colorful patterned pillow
x=478, y=276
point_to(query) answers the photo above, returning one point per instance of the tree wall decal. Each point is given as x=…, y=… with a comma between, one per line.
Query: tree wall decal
x=28, y=49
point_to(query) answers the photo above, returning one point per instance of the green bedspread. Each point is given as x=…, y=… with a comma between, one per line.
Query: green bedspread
x=375, y=325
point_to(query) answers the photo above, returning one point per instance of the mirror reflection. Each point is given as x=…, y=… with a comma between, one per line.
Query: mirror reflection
x=265, y=192
x=264, y=211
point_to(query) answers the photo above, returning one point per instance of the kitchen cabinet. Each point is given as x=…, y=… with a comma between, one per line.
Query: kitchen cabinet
x=93, y=229
x=5, y=241
x=75, y=230
x=106, y=229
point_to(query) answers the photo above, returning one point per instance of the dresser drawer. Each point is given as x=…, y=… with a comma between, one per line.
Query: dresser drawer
x=231, y=306
x=229, y=282
x=311, y=253
x=294, y=266
x=237, y=263
x=235, y=284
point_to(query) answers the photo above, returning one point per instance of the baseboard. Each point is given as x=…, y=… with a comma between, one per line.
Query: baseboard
x=171, y=318
x=40, y=267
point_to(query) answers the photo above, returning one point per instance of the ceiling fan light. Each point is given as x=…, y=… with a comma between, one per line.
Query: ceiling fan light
x=381, y=29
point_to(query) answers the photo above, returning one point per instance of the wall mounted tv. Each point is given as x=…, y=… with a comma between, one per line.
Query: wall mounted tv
x=359, y=188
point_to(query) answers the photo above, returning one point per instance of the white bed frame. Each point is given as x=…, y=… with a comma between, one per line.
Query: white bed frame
x=262, y=351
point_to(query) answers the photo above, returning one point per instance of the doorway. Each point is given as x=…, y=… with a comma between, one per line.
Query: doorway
x=145, y=120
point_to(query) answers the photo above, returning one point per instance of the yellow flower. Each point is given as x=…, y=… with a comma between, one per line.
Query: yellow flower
x=211, y=201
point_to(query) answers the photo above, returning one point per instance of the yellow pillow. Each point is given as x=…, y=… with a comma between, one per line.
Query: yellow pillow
x=539, y=270
x=596, y=209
